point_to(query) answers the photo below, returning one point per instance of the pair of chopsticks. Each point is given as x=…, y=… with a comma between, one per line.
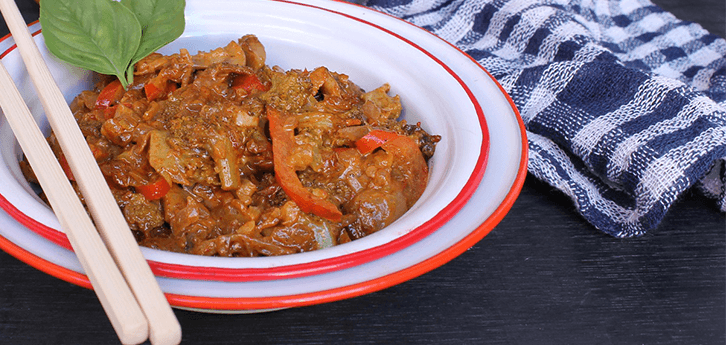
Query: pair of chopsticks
x=121, y=277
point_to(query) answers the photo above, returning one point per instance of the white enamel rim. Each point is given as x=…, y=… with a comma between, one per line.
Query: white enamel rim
x=497, y=191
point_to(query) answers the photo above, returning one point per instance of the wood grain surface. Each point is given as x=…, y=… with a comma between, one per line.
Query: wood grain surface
x=543, y=276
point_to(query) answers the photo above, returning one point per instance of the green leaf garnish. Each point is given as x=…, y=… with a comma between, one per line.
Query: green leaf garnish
x=162, y=21
x=107, y=36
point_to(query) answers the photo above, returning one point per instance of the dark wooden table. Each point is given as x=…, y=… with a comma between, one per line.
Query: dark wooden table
x=543, y=276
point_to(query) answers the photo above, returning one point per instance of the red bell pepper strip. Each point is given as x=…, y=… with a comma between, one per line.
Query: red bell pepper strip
x=249, y=83
x=111, y=93
x=153, y=91
x=154, y=190
x=373, y=140
x=283, y=143
x=66, y=167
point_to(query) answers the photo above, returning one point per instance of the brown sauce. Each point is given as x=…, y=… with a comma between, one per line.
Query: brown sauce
x=219, y=154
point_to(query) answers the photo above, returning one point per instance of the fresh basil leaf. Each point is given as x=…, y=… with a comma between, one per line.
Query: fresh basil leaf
x=98, y=35
x=162, y=21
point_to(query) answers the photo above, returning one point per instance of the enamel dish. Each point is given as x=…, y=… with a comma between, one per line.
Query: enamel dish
x=475, y=175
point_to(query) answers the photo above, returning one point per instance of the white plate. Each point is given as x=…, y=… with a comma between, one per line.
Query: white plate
x=302, y=35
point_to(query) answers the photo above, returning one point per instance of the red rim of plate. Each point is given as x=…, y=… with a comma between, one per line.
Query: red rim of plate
x=299, y=300
x=321, y=266
x=260, y=303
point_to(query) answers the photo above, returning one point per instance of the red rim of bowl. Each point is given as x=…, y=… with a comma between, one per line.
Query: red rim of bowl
x=326, y=265
x=262, y=303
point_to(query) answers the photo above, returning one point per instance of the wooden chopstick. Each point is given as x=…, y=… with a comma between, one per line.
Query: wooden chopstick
x=164, y=328
x=108, y=283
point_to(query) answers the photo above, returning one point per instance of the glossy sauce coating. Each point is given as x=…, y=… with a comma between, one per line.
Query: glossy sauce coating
x=219, y=154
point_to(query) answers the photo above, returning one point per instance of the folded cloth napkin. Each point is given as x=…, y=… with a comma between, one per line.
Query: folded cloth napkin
x=624, y=105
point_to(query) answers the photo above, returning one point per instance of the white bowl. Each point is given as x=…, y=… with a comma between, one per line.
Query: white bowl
x=439, y=86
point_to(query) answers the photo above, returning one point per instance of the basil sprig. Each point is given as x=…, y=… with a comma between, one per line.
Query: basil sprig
x=108, y=36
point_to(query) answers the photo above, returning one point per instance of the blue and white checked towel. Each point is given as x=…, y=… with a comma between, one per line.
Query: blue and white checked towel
x=624, y=105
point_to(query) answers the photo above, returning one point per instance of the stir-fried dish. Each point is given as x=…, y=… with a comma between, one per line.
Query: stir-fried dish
x=219, y=154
